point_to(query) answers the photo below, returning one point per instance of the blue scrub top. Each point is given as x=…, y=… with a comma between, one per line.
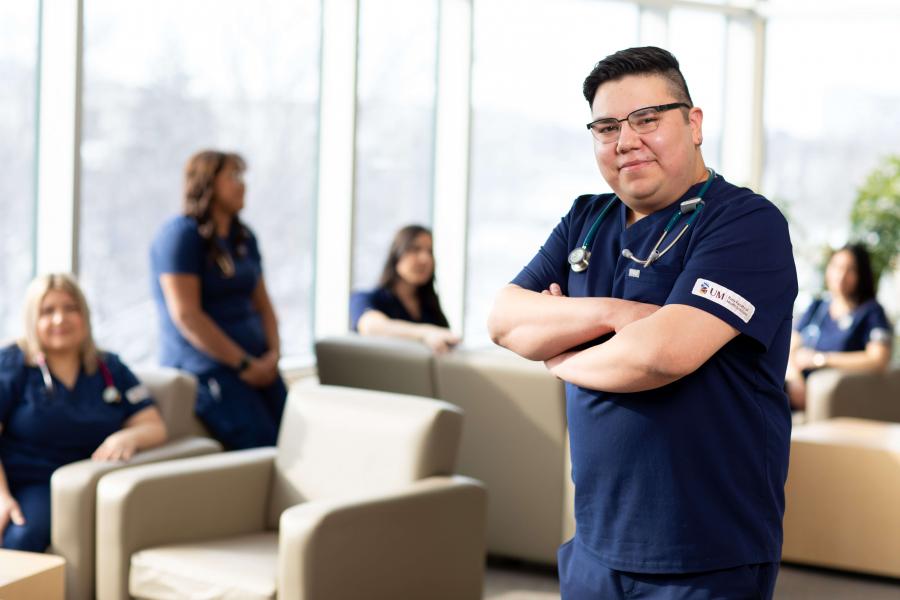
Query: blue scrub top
x=867, y=323
x=179, y=248
x=690, y=476
x=384, y=300
x=45, y=430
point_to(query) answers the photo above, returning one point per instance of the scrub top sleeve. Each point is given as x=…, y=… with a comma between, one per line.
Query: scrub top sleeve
x=360, y=302
x=179, y=248
x=135, y=395
x=807, y=315
x=740, y=268
x=876, y=327
x=12, y=367
x=550, y=263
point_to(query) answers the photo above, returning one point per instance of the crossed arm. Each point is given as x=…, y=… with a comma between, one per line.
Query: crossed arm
x=652, y=347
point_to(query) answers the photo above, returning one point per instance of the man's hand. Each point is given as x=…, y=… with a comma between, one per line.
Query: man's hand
x=10, y=511
x=120, y=445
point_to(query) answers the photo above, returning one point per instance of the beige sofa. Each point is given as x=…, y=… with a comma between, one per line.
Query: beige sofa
x=832, y=393
x=842, y=496
x=514, y=438
x=73, y=487
x=357, y=501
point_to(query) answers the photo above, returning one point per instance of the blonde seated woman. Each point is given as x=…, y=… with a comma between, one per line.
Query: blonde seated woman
x=846, y=329
x=404, y=304
x=61, y=400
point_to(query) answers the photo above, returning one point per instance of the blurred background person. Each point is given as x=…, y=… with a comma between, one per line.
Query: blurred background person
x=845, y=329
x=404, y=304
x=216, y=317
x=61, y=400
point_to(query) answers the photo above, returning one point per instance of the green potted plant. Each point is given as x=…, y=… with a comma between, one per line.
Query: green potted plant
x=875, y=218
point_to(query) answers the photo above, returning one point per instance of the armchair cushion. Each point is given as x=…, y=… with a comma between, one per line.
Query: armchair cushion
x=338, y=442
x=238, y=568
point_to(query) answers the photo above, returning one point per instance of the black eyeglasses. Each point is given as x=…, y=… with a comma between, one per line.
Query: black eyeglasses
x=642, y=120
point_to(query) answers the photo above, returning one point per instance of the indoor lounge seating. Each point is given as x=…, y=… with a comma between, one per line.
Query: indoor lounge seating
x=357, y=501
x=73, y=486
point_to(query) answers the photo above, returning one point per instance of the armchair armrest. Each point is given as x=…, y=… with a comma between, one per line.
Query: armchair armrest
x=177, y=501
x=424, y=541
x=73, y=490
x=832, y=393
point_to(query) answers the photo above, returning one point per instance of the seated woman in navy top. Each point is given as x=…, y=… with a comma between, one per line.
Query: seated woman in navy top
x=216, y=318
x=405, y=304
x=61, y=401
x=846, y=330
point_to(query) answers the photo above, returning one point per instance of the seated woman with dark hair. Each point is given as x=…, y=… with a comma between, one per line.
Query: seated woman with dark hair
x=847, y=329
x=405, y=304
x=61, y=400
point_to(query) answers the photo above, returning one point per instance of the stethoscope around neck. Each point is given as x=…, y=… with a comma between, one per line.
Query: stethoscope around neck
x=111, y=393
x=580, y=257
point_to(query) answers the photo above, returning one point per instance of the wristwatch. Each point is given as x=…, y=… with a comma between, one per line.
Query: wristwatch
x=819, y=360
x=244, y=364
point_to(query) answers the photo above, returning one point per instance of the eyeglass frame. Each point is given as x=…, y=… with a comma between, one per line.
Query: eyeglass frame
x=660, y=108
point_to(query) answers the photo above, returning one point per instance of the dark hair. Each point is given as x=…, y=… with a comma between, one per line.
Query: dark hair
x=403, y=239
x=648, y=60
x=865, y=278
x=199, y=186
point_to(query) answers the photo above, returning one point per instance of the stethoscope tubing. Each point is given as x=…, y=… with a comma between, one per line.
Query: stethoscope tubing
x=579, y=258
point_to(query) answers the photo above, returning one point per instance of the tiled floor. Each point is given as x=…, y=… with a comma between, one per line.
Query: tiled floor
x=510, y=581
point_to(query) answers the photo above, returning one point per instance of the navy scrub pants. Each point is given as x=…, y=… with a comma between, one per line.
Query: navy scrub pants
x=34, y=535
x=580, y=579
x=237, y=414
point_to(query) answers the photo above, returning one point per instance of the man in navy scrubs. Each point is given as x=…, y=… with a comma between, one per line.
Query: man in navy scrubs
x=673, y=353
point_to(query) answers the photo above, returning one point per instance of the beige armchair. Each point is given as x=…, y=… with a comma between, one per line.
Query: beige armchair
x=832, y=393
x=73, y=487
x=357, y=501
x=376, y=363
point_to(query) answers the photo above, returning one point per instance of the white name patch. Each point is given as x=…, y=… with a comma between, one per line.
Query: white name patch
x=137, y=394
x=634, y=273
x=722, y=296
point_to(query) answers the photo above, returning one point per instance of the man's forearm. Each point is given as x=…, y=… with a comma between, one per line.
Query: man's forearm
x=647, y=354
x=540, y=326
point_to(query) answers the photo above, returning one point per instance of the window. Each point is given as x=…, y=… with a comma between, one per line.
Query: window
x=395, y=127
x=163, y=80
x=18, y=71
x=531, y=155
x=832, y=113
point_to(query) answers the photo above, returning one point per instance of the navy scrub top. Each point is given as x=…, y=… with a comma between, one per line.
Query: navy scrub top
x=867, y=323
x=690, y=476
x=45, y=430
x=384, y=300
x=179, y=248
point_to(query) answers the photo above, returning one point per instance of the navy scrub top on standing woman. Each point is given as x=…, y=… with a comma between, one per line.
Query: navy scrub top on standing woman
x=238, y=414
x=44, y=429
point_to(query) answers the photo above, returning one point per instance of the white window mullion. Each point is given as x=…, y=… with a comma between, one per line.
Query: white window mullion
x=59, y=135
x=451, y=156
x=337, y=135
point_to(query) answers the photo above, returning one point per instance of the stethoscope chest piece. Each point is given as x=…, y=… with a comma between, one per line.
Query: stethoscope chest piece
x=579, y=259
x=111, y=395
